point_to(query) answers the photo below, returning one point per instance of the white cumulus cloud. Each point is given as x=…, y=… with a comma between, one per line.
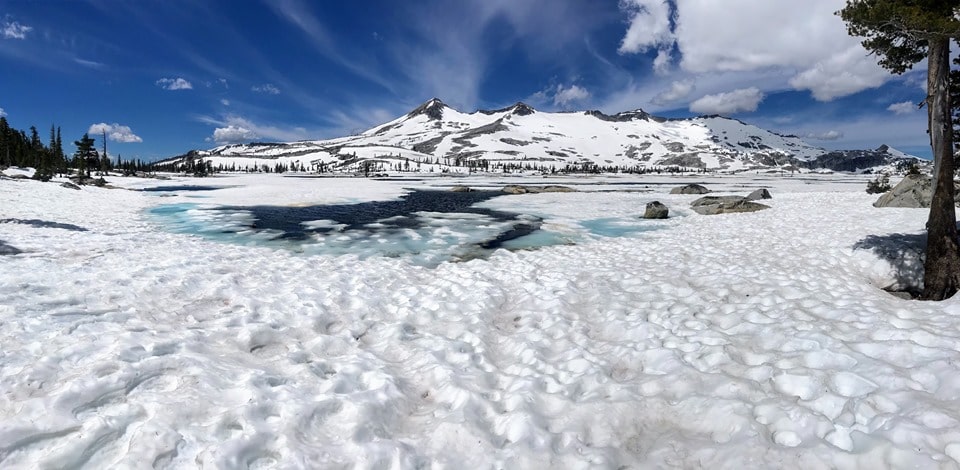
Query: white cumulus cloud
x=15, y=30
x=906, y=107
x=225, y=102
x=233, y=129
x=2, y=112
x=828, y=135
x=115, y=132
x=649, y=25
x=233, y=134
x=804, y=42
x=841, y=74
x=567, y=95
x=266, y=88
x=737, y=101
x=678, y=90
x=174, y=84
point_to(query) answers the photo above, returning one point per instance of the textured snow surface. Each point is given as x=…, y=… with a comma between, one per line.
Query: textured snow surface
x=756, y=340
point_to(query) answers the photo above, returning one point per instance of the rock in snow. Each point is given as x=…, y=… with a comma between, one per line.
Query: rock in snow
x=758, y=194
x=705, y=343
x=912, y=191
x=690, y=189
x=713, y=205
x=523, y=189
x=656, y=210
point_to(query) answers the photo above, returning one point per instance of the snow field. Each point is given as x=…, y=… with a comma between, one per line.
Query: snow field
x=749, y=340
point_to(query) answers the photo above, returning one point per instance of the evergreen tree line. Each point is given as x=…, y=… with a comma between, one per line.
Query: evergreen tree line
x=27, y=149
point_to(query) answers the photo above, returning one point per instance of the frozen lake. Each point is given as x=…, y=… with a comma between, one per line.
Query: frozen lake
x=167, y=329
x=426, y=226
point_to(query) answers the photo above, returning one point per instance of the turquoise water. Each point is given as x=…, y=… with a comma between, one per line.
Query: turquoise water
x=618, y=227
x=426, y=227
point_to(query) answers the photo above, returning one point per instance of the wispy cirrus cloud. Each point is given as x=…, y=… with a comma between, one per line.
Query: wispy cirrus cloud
x=14, y=30
x=174, y=84
x=266, y=88
x=88, y=63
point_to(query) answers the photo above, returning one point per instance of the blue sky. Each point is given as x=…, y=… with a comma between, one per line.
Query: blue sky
x=163, y=77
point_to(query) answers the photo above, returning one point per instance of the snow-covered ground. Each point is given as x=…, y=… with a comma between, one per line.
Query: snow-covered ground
x=757, y=340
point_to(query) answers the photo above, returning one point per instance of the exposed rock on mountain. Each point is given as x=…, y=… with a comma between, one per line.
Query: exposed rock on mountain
x=436, y=137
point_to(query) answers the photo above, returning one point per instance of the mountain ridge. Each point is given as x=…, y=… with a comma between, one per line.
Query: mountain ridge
x=436, y=137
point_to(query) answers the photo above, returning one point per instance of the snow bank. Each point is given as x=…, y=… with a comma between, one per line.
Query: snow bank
x=755, y=340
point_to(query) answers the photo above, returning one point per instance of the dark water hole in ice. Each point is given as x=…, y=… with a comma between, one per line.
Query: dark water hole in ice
x=427, y=226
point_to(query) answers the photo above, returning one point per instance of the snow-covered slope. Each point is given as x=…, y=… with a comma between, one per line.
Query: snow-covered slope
x=435, y=136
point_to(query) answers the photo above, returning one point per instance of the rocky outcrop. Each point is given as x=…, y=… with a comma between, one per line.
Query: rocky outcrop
x=690, y=189
x=433, y=109
x=523, y=189
x=912, y=191
x=713, y=205
x=758, y=194
x=459, y=188
x=67, y=184
x=656, y=210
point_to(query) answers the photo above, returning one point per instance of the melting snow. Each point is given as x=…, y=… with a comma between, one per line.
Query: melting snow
x=755, y=340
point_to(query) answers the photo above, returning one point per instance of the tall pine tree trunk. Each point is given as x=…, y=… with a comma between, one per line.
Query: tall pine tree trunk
x=942, y=269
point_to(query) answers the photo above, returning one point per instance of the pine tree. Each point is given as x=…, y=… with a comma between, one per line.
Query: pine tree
x=86, y=155
x=59, y=157
x=5, y=143
x=45, y=167
x=902, y=33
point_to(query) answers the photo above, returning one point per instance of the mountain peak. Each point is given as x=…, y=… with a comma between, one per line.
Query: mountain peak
x=433, y=109
x=522, y=109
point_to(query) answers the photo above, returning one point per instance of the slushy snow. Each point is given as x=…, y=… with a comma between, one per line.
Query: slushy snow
x=758, y=340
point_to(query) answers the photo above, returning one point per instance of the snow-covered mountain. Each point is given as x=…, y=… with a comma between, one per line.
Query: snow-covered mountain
x=436, y=137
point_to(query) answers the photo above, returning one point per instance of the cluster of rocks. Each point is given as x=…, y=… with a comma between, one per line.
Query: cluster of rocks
x=711, y=205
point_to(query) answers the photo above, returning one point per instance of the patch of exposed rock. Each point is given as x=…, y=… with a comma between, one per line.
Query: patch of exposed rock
x=713, y=205
x=656, y=210
x=758, y=194
x=523, y=189
x=690, y=189
x=461, y=189
x=912, y=191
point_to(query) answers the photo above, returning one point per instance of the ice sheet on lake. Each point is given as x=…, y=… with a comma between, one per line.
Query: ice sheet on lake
x=756, y=340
